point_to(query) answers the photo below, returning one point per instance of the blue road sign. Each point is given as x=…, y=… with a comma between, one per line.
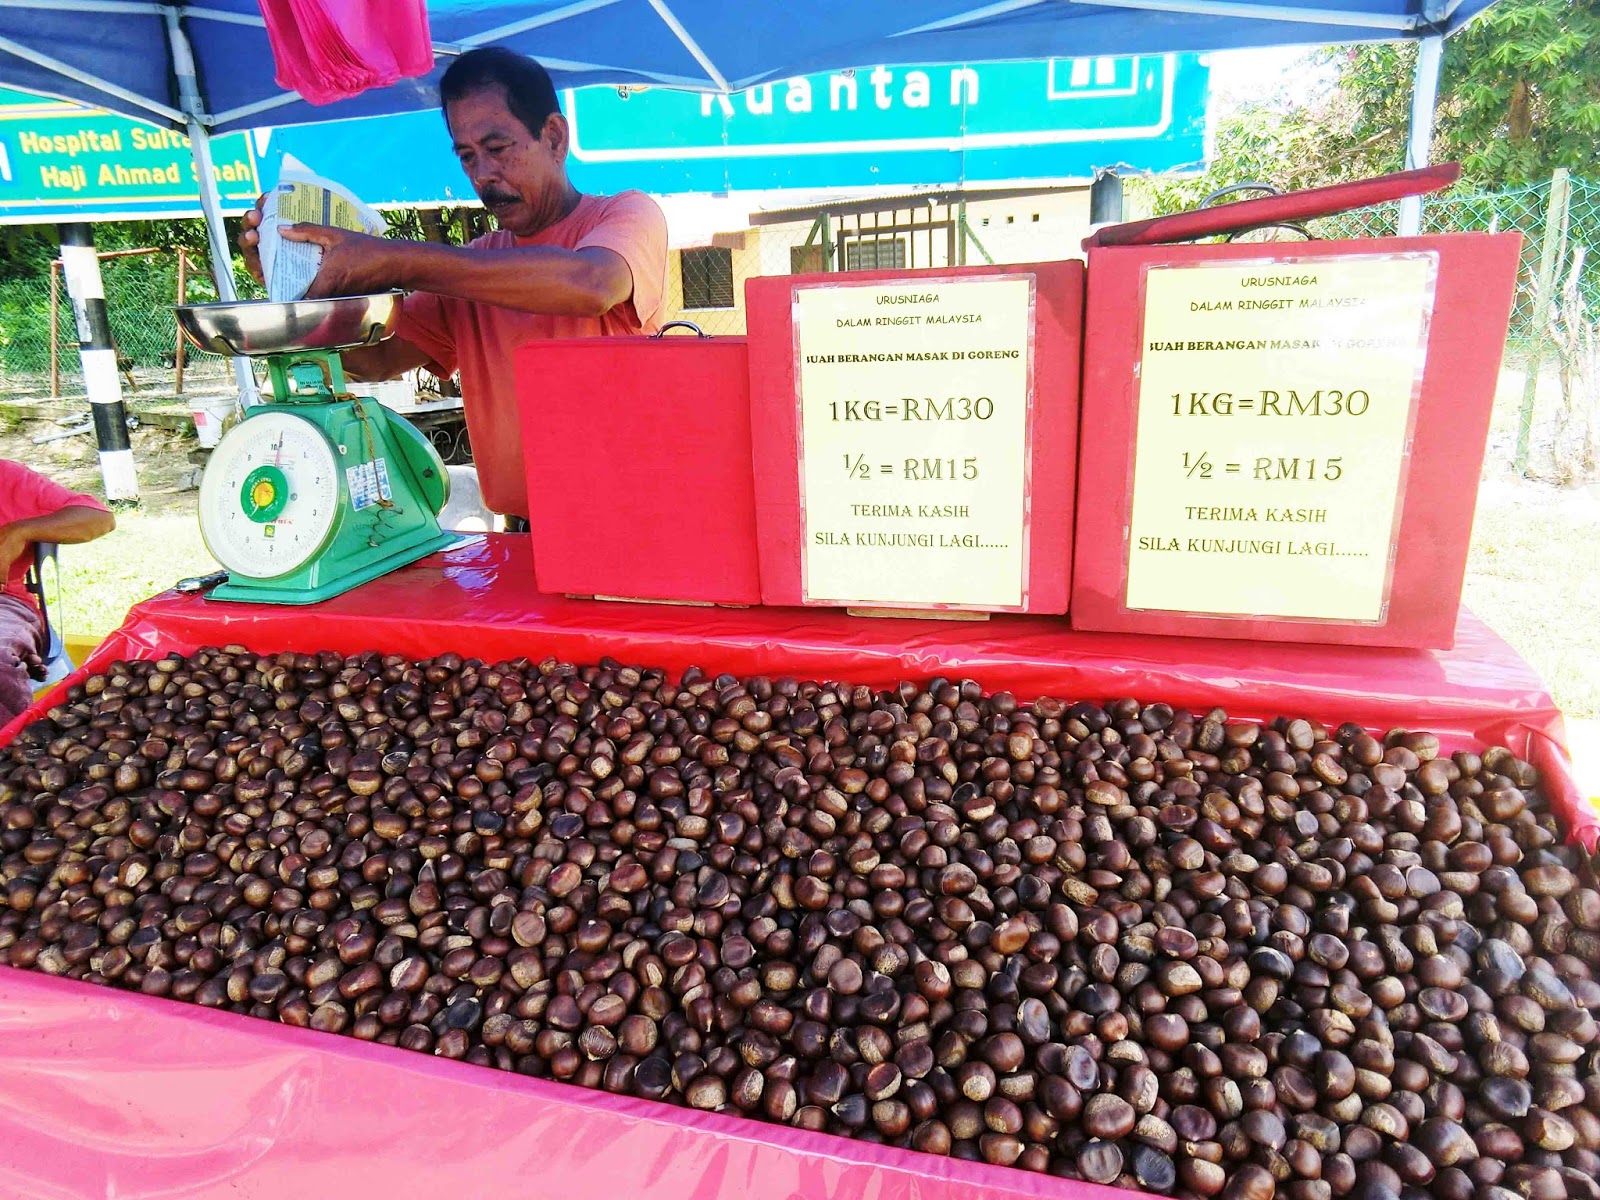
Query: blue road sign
x=1055, y=119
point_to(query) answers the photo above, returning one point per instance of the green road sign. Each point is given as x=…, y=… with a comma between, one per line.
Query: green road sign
x=63, y=162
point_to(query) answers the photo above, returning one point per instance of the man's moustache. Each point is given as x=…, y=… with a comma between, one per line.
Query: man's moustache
x=498, y=198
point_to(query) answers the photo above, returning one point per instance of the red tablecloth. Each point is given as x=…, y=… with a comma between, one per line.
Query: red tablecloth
x=479, y=599
x=107, y=1093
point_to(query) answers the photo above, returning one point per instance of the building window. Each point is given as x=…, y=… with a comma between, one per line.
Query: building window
x=875, y=254
x=707, y=277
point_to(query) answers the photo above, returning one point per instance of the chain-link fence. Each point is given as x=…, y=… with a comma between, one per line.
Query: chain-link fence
x=705, y=284
x=39, y=341
x=1557, y=306
x=1554, y=218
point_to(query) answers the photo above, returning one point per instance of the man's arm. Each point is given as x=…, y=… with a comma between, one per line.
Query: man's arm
x=386, y=360
x=73, y=524
x=587, y=282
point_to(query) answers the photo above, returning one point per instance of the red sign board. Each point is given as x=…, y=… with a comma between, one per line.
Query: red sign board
x=1283, y=441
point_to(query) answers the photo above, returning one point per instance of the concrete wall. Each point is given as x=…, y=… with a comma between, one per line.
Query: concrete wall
x=744, y=250
x=1030, y=228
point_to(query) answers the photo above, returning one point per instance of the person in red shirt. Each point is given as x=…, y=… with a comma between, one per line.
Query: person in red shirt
x=561, y=264
x=32, y=509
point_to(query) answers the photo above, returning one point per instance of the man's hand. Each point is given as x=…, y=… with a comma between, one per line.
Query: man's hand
x=250, y=239
x=353, y=264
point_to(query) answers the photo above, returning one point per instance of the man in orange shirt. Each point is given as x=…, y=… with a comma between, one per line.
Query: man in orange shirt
x=561, y=265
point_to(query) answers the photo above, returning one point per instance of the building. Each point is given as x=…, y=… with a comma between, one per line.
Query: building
x=706, y=270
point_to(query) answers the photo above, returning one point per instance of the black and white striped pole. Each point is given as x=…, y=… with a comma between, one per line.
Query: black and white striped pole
x=81, y=267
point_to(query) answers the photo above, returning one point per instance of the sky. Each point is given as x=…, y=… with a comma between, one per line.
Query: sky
x=1239, y=76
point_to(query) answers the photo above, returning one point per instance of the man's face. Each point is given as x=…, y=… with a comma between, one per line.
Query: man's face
x=520, y=176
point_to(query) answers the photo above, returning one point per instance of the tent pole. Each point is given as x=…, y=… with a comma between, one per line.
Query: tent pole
x=210, y=198
x=1419, y=138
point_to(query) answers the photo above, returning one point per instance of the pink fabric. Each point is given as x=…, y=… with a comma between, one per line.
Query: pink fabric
x=479, y=338
x=329, y=50
x=26, y=494
x=110, y=1093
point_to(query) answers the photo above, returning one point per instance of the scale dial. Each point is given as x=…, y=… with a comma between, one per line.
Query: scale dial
x=269, y=496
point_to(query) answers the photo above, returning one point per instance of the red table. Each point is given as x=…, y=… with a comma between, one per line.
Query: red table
x=109, y=1093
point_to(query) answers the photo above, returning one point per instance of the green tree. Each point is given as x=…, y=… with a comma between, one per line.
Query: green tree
x=1521, y=92
x=1519, y=96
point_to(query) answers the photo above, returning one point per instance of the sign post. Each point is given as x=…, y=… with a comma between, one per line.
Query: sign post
x=1054, y=118
x=81, y=266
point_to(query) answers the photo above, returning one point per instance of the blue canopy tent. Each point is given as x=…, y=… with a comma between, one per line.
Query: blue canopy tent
x=205, y=67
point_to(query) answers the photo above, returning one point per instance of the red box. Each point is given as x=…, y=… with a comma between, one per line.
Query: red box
x=1349, y=554
x=638, y=456
x=1047, y=461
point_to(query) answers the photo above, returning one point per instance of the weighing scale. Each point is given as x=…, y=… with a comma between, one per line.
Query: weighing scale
x=320, y=490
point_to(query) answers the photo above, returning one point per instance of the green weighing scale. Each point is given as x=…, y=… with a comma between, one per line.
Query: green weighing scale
x=318, y=491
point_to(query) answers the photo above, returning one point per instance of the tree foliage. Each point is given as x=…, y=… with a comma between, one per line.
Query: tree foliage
x=27, y=250
x=1521, y=92
x=1519, y=96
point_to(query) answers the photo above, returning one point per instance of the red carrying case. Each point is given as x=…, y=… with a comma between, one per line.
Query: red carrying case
x=639, y=474
x=1209, y=555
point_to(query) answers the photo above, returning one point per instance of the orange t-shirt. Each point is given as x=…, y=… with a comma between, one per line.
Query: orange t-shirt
x=478, y=339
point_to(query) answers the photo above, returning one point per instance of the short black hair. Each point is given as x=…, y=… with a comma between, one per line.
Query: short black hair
x=530, y=92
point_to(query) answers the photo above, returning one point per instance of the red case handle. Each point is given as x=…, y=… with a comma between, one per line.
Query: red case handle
x=1275, y=210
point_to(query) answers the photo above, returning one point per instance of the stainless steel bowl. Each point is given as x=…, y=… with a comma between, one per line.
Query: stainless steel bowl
x=260, y=327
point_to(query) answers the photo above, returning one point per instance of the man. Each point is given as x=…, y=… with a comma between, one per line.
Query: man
x=32, y=509
x=561, y=264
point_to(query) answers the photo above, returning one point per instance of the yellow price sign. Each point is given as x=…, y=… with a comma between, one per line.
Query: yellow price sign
x=915, y=404
x=1275, y=410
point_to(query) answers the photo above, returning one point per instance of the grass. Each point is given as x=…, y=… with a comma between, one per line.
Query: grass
x=1532, y=576
x=147, y=554
x=153, y=546
x=1534, y=567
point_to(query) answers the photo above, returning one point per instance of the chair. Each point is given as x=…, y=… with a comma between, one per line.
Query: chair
x=57, y=663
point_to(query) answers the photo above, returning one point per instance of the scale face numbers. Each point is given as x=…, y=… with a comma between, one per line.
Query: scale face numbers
x=269, y=496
